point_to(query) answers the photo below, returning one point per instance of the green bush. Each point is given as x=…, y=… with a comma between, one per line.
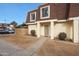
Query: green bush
x=33, y=33
x=62, y=36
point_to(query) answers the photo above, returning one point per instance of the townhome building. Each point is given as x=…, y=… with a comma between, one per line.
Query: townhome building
x=50, y=19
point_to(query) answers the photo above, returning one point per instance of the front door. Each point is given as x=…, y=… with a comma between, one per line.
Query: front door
x=46, y=30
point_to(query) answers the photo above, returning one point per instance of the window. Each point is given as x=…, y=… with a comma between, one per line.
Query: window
x=33, y=16
x=45, y=12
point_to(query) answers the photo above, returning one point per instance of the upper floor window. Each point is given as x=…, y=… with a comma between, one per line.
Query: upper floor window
x=45, y=12
x=33, y=16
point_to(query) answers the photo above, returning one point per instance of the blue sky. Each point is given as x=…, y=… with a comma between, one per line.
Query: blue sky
x=16, y=12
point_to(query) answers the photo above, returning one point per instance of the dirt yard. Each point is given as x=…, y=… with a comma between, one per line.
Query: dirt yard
x=58, y=48
x=49, y=47
x=20, y=38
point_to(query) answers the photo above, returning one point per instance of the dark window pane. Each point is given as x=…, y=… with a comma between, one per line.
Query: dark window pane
x=45, y=12
x=33, y=16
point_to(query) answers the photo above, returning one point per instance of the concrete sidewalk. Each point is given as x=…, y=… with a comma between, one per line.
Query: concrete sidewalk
x=31, y=50
x=9, y=49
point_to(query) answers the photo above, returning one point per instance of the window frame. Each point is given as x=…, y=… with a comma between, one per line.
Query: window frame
x=41, y=17
x=31, y=16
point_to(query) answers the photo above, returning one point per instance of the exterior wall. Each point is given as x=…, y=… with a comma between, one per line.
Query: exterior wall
x=28, y=16
x=31, y=27
x=69, y=28
x=59, y=27
x=49, y=31
x=64, y=27
x=42, y=30
x=60, y=11
x=55, y=28
x=57, y=11
x=74, y=10
x=76, y=30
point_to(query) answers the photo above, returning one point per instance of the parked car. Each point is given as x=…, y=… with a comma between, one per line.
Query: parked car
x=3, y=31
x=7, y=31
x=11, y=31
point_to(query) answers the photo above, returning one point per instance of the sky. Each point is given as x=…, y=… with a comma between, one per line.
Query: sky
x=16, y=11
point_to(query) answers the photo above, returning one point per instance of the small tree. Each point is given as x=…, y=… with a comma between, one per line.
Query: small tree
x=23, y=24
x=14, y=23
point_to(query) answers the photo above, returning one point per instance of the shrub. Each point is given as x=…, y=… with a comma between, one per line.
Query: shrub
x=33, y=33
x=62, y=36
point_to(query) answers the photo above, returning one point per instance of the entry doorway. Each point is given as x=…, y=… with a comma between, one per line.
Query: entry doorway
x=46, y=30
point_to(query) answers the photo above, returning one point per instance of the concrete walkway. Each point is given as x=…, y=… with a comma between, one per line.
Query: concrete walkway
x=8, y=49
x=31, y=50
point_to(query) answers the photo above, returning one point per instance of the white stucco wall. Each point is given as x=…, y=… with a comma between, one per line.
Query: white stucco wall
x=31, y=27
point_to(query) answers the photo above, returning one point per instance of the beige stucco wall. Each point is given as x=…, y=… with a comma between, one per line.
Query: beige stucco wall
x=63, y=27
x=58, y=27
x=31, y=27
x=76, y=30
x=50, y=29
x=71, y=27
x=42, y=30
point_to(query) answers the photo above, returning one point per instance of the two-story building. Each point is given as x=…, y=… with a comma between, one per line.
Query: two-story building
x=52, y=18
